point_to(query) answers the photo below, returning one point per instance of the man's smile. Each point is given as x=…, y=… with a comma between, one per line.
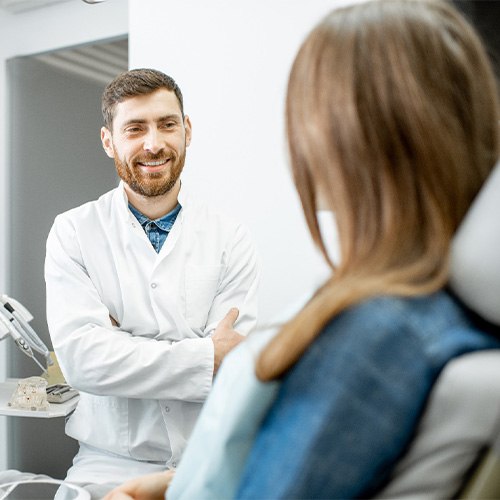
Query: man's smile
x=153, y=166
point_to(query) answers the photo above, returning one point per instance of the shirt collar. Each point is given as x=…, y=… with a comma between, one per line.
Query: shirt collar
x=166, y=222
x=182, y=201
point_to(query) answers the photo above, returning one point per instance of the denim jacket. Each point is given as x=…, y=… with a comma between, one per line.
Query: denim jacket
x=348, y=409
x=338, y=422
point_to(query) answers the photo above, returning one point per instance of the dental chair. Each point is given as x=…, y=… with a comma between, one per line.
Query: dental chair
x=485, y=480
x=457, y=444
x=456, y=449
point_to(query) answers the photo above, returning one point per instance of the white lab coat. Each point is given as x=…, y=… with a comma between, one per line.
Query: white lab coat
x=142, y=384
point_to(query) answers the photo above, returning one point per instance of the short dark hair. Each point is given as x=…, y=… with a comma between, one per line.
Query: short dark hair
x=132, y=83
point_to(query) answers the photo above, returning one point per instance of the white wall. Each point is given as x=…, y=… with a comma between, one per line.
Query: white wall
x=231, y=60
x=49, y=28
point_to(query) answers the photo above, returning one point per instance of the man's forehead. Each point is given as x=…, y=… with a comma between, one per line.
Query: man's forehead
x=159, y=103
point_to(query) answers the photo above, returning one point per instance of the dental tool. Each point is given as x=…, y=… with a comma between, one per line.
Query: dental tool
x=23, y=316
x=14, y=321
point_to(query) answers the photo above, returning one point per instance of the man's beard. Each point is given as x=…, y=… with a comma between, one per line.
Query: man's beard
x=153, y=183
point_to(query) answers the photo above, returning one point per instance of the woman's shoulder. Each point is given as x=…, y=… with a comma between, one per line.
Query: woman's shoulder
x=437, y=325
x=425, y=314
x=422, y=309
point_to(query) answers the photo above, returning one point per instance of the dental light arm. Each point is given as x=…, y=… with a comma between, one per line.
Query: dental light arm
x=14, y=320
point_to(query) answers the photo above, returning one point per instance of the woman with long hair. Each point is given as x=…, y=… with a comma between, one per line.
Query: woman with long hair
x=393, y=126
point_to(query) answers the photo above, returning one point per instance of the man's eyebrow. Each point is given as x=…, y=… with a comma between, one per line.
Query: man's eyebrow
x=172, y=116
x=139, y=121
x=134, y=121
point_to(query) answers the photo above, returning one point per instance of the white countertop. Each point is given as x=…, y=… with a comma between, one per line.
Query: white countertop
x=55, y=409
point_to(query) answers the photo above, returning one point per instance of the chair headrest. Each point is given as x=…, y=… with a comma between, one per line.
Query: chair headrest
x=475, y=253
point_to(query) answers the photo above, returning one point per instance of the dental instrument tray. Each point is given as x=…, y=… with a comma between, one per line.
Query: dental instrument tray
x=59, y=393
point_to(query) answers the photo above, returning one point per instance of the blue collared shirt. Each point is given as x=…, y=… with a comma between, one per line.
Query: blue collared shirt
x=156, y=230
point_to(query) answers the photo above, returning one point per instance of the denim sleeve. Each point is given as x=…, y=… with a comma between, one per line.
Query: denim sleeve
x=343, y=416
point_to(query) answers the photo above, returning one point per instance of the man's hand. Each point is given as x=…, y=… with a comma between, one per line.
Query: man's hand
x=149, y=487
x=225, y=338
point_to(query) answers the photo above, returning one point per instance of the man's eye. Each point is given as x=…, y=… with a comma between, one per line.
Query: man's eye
x=132, y=130
x=169, y=125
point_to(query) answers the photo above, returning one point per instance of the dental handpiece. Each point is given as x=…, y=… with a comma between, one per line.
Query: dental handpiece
x=12, y=325
x=36, y=342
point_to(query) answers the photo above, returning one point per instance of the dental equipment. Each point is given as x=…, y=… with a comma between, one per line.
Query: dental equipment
x=14, y=320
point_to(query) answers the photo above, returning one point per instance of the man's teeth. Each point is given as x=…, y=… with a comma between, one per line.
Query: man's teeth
x=154, y=163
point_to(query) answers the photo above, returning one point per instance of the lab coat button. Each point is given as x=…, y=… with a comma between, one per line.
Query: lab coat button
x=167, y=409
x=153, y=285
x=174, y=464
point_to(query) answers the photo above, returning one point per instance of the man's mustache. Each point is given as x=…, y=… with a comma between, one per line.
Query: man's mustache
x=161, y=156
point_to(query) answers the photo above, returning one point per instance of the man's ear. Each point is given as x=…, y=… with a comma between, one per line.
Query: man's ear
x=107, y=142
x=188, y=128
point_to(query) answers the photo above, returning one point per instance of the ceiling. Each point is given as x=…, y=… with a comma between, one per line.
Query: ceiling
x=16, y=6
x=100, y=62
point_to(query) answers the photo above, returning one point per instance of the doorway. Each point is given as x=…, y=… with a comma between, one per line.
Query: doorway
x=56, y=162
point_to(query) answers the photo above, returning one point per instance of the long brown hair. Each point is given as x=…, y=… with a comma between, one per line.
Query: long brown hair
x=392, y=114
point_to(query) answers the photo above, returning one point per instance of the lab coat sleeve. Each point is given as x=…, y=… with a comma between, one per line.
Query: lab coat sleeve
x=239, y=284
x=97, y=357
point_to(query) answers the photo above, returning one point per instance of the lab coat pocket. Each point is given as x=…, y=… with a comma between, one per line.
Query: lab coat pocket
x=100, y=421
x=201, y=288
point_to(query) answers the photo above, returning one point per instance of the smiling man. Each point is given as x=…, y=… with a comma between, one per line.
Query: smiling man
x=147, y=137
x=144, y=288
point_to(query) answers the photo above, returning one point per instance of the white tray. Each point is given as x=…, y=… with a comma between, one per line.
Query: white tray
x=55, y=409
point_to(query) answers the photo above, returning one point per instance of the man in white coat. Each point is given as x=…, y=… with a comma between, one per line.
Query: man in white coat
x=137, y=283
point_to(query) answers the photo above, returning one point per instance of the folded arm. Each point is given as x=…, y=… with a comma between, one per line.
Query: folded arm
x=98, y=357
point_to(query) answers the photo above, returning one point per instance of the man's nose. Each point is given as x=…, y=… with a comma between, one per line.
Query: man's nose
x=153, y=141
